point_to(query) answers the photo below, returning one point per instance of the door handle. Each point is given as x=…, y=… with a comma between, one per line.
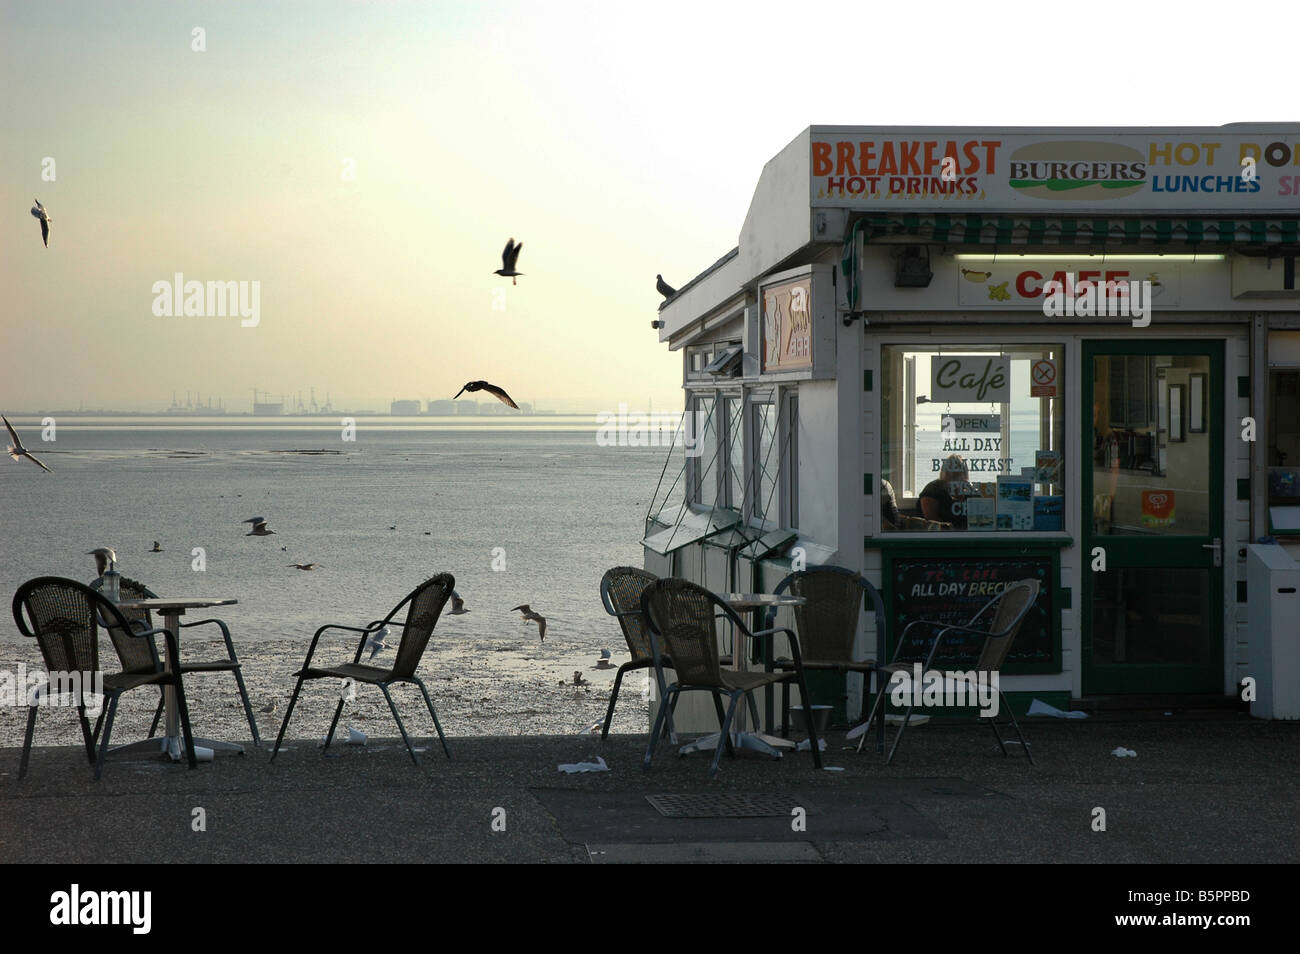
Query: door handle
x=1217, y=547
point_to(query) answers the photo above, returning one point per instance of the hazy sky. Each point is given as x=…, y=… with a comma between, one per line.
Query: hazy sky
x=614, y=140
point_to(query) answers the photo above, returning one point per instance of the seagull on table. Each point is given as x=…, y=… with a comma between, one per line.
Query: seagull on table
x=157, y=547
x=508, y=259
x=17, y=451
x=305, y=566
x=38, y=210
x=260, y=529
x=103, y=557
x=457, y=605
x=498, y=393
x=376, y=642
x=663, y=288
x=537, y=618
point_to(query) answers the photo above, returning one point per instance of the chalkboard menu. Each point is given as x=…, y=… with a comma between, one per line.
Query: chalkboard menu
x=953, y=589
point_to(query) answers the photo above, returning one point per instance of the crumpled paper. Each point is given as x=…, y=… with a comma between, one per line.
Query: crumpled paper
x=1122, y=752
x=596, y=766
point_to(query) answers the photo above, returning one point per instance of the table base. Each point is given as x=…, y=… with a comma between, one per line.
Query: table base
x=741, y=741
x=173, y=746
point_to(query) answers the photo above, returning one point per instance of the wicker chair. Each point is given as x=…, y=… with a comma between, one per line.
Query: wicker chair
x=423, y=607
x=620, y=591
x=64, y=618
x=828, y=625
x=684, y=615
x=1006, y=612
x=135, y=590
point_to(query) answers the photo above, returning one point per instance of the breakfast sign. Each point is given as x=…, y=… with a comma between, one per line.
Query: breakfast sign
x=969, y=170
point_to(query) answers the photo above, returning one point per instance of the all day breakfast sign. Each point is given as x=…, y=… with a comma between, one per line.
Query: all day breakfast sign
x=964, y=169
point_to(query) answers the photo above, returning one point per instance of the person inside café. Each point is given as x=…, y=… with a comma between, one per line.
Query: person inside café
x=943, y=499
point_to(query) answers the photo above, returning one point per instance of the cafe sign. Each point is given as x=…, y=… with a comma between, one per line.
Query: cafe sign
x=970, y=379
x=787, y=326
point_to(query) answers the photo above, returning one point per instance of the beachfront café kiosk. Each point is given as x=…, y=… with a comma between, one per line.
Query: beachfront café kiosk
x=954, y=358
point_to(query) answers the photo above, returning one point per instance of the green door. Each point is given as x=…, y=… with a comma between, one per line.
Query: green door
x=1153, y=512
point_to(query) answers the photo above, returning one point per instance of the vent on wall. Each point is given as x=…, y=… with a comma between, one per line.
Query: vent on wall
x=1264, y=277
x=726, y=364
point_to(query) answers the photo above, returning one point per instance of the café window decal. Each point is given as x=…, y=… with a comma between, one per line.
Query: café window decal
x=787, y=326
x=972, y=438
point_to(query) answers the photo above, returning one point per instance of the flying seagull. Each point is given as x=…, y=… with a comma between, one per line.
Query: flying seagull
x=376, y=642
x=498, y=393
x=537, y=618
x=663, y=288
x=103, y=557
x=38, y=210
x=17, y=451
x=157, y=547
x=260, y=529
x=303, y=566
x=457, y=605
x=508, y=259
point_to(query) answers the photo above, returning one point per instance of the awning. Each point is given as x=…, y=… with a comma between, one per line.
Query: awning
x=1011, y=230
x=692, y=528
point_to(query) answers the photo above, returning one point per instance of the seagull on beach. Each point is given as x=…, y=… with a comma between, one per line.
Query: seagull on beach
x=304, y=566
x=103, y=557
x=157, y=547
x=376, y=642
x=663, y=288
x=603, y=662
x=577, y=680
x=537, y=618
x=260, y=529
x=508, y=259
x=17, y=451
x=457, y=605
x=498, y=393
x=38, y=210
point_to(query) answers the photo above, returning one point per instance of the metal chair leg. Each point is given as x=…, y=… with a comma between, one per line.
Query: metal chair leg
x=157, y=713
x=27, y=741
x=429, y=702
x=1016, y=724
x=334, y=723
x=401, y=728
x=899, y=738
x=726, y=736
x=668, y=701
x=86, y=734
x=293, y=700
x=248, y=708
x=726, y=732
x=609, y=713
x=875, y=707
x=813, y=741
x=110, y=710
x=186, y=730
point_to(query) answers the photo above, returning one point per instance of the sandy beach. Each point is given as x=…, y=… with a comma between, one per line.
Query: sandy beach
x=513, y=689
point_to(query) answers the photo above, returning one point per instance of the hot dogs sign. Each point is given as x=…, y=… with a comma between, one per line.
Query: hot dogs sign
x=787, y=326
x=967, y=170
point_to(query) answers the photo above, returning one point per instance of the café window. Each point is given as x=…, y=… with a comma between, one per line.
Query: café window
x=766, y=461
x=972, y=438
x=734, y=405
x=703, y=434
x=1284, y=450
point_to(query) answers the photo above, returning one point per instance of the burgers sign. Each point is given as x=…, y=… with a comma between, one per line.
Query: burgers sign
x=1079, y=171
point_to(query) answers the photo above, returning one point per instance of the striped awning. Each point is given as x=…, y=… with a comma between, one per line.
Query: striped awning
x=1004, y=230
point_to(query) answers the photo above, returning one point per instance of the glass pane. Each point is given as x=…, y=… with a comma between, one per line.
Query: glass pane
x=735, y=453
x=1146, y=615
x=706, y=464
x=973, y=438
x=1151, y=445
x=793, y=457
x=765, y=460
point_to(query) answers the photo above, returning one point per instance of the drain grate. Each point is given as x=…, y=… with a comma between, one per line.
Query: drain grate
x=725, y=805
